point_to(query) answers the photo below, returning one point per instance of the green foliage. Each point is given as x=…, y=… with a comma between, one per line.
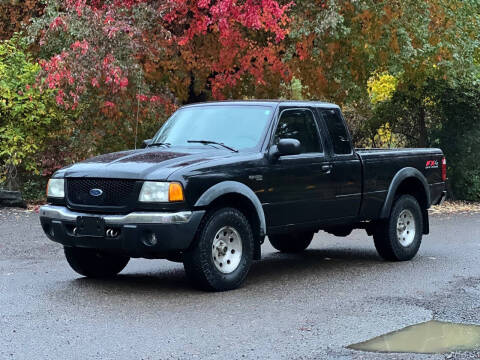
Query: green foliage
x=458, y=134
x=405, y=112
x=27, y=115
x=33, y=189
x=451, y=121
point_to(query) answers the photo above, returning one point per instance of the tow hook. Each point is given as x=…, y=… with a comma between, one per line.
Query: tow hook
x=111, y=233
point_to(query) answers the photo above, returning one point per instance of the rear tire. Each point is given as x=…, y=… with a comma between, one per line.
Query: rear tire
x=95, y=263
x=222, y=253
x=398, y=238
x=291, y=243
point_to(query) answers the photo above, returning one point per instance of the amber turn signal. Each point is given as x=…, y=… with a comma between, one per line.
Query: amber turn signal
x=175, y=192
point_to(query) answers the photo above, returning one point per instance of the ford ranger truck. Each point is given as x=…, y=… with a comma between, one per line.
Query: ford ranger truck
x=217, y=178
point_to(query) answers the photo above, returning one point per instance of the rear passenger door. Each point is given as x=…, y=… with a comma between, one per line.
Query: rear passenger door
x=298, y=188
x=346, y=166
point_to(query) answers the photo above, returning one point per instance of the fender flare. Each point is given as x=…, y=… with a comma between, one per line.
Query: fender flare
x=234, y=187
x=400, y=176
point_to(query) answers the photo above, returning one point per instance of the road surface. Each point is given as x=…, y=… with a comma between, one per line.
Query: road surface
x=305, y=306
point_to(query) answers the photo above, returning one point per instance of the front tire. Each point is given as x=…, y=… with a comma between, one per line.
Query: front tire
x=95, y=263
x=222, y=252
x=291, y=243
x=399, y=237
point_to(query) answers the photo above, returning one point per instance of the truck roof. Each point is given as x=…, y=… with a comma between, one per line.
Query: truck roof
x=275, y=103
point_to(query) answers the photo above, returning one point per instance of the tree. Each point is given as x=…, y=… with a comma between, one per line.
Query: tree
x=186, y=48
x=113, y=60
x=118, y=66
x=336, y=46
x=421, y=60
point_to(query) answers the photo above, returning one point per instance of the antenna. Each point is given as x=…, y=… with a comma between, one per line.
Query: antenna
x=136, y=124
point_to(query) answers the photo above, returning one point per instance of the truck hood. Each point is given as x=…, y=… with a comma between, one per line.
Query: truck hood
x=144, y=164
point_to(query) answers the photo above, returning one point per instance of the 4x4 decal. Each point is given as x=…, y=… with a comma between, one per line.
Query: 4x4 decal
x=431, y=164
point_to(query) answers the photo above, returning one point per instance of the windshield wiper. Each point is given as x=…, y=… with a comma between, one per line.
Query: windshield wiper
x=209, y=142
x=160, y=144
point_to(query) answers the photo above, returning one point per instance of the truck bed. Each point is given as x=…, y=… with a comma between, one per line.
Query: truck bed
x=379, y=166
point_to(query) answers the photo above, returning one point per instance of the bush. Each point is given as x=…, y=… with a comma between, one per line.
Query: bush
x=459, y=137
x=29, y=117
x=450, y=120
x=33, y=189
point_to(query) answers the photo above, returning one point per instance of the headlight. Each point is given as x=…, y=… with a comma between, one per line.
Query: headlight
x=56, y=188
x=155, y=191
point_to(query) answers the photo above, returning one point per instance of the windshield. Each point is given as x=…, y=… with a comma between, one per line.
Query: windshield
x=239, y=127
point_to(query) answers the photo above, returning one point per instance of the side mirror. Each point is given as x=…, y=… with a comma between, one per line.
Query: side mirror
x=285, y=147
x=146, y=143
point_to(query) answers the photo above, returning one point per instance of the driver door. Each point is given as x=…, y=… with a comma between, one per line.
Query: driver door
x=299, y=188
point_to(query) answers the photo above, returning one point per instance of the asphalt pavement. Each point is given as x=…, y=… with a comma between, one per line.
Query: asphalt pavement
x=304, y=306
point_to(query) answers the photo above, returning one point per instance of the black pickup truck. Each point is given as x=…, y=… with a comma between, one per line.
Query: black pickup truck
x=219, y=177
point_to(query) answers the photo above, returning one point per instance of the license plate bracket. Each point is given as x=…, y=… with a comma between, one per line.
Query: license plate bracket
x=90, y=226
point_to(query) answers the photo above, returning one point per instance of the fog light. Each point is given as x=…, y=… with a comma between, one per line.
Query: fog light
x=150, y=240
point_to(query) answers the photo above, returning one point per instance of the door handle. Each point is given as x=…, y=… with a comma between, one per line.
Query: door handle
x=327, y=168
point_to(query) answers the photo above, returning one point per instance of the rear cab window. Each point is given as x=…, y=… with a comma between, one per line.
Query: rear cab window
x=338, y=132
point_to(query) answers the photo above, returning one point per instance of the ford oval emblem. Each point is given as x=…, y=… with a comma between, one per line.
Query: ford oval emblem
x=96, y=192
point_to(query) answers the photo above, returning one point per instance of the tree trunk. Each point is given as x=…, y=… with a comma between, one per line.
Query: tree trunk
x=422, y=136
x=192, y=96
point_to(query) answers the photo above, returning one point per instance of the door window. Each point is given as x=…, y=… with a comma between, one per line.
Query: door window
x=299, y=124
x=338, y=132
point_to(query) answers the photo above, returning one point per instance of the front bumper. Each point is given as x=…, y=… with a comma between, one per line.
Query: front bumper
x=131, y=233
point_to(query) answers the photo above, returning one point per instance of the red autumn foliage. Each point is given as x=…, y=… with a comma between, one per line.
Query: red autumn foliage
x=193, y=46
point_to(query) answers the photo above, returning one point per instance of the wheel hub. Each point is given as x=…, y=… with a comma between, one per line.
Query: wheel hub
x=227, y=249
x=221, y=249
x=406, y=228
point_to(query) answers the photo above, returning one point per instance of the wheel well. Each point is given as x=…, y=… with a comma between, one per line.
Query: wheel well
x=413, y=186
x=243, y=204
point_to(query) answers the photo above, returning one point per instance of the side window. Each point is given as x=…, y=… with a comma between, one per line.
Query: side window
x=338, y=132
x=299, y=124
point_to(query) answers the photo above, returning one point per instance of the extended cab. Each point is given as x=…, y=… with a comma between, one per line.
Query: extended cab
x=219, y=177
